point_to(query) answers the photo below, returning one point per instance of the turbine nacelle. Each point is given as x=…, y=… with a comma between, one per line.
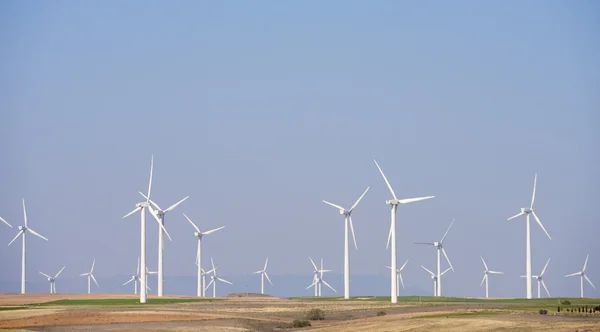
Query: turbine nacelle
x=526, y=210
x=437, y=245
x=392, y=202
x=141, y=205
x=198, y=235
x=22, y=228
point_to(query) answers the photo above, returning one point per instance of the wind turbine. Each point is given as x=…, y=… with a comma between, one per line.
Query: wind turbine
x=204, y=274
x=582, y=275
x=392, y=234
x=318, y=280
x=399, y=276
x=22, y=231
x=89, y=276
x=527, y=212
x=486, y=277
x=52, y=280
x=135, y=278
x=540, y=280
x=159, y=215
x=214, y=279
x=434, y=277
x=198, y=234
x=263, y=274
x=347, y=220
x=440, y=250
x=141, y=207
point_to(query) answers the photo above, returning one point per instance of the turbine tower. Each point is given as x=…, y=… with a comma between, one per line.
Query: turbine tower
x=263, y=274
x=160, y=217
x=399, y=277
x=22, y=231
x=318, y=280
x=540, y=280
x=440, y=250
x=141, y=207
x=347, y=220
x=434, y=277
x=392, y=234
x=90, y=275
x=486, y=276
x=198, y=234
x=582, y=275
x=527, y=212
x=135, y=278
x=52, y=280
x=214, y=279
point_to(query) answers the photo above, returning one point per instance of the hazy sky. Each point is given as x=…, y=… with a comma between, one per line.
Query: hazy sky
x=259, y=110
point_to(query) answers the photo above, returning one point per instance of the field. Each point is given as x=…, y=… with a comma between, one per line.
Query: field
x=248, y=312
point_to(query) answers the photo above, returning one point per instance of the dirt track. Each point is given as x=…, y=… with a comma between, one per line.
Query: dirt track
x=268, y=314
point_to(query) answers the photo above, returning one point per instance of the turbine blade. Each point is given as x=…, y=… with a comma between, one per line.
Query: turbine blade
x=195, y=227
x=361, y=197
x=151, y=202
x=328, y=285
x=314, y=282
x=213, y=230
x=586, y=260
x=93, y=263
x=352, y=231
x=132, y=212
x=56, y=276
x=6, y=222
x=130, y=280
x=448, y=259
x=266, y=275
x=517, y=215
x=484, y=264
x=545, y=266
x=533, y=195
x=172, y=207
x=389, y=267
x=495, y=272
x=401, y=281
x=84, y=274
x=428, y=243
x=210, y=283
x=18, y=234
x=153, y=213
x=266, y=262
x=403, y=265
x=482, y=280
x=223, y=280
x=448, y=269
x=433, y=274
x=334, y=205
x=443, y=237
x=540, y=223
x=416, y=199
x=573, y=274
x=547, y=292
x=24, y=212
x=389, y=238
x=36, y=234
x=386, y=180
x=150, y=182
x=213, y=265
x=45, y=275
x=588, y=280
x=313, y=264
x=94, y=278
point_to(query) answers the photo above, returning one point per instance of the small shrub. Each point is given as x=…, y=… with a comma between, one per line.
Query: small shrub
x=381, y=313
x=543, y=311
x=558, y=309
x=315, y=314
x=565, y=302
x=300, y=323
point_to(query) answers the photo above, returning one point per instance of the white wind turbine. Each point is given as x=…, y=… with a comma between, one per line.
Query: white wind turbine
x=527, y=212
x=582, y=275
x=22, y=231
x=52, y=280
x=214, y=279
x=440, y=250
x=347, y=220
x=141, y=207
x=540, y=280
x=160, y=217
x=399, y=277
x=392, y=234
x=486, y=276
x=263, y=274
x=434, y=277
x=204, y=274
x=135, y=278
x=318, y=280
x=198, y=234
x=90, y=275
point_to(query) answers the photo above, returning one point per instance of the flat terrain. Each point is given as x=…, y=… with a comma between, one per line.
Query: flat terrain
x=113, y=312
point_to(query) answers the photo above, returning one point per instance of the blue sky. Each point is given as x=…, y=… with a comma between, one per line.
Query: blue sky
x=260, y=110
